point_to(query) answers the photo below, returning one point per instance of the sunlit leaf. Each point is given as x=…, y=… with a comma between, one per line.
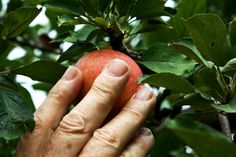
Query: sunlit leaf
x=42, y=70
x=18, y=21
x=70, y=21
x=170, y=81
x=161, y=58
x=80, y=35
x=187, y=47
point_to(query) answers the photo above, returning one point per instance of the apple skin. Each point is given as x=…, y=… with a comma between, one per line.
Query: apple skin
x=92, y=65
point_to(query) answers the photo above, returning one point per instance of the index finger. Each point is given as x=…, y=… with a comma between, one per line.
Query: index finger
x=60, y=96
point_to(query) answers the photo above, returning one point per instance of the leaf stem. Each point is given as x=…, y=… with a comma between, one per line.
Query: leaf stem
x=225, y=126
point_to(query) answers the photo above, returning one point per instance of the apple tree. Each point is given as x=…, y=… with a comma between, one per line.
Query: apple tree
x=186, y=50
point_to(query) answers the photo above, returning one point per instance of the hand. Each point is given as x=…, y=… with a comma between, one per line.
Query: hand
x=79, y=133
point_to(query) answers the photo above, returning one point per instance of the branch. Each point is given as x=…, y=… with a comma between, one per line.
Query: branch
x=4, y=72
x=225, y=126
x=24, y=44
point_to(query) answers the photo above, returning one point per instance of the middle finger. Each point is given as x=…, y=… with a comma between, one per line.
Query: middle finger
x=77, y=127
x=111, y=139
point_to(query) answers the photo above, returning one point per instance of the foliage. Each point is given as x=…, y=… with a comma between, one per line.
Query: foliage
x=191, y=53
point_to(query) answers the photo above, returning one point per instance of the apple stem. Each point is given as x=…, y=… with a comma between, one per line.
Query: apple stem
x=116, y=41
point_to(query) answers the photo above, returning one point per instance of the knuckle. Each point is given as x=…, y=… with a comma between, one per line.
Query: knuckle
x=58, y=92
x=39, y=122
x=103, y=90
x=106, y=138
x=134, y=114
x=73, y=123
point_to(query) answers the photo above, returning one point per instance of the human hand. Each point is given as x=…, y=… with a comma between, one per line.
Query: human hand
x=79, y=133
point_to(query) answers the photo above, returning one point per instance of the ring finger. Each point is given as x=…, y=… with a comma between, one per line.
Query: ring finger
x=140, y=145
x=110, y=140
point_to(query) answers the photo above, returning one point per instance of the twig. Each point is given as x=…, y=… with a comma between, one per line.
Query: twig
x=225, y=126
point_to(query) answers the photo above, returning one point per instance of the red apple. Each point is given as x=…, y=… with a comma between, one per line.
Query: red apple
x=93, y=63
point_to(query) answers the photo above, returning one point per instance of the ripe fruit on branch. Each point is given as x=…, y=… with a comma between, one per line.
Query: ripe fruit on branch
x=92, y=65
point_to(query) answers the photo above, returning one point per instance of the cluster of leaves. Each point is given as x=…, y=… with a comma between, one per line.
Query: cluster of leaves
x=189, y=49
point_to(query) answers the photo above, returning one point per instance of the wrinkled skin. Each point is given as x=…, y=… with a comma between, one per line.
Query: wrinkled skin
x=80, y=133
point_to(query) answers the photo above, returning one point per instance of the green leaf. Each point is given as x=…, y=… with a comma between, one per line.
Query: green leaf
x=153, y=8
x=206, y=84
x=206, y=141
x=8, y=147
x=0, y=5
x=169, y=101
x=80, y=35
x=96, y=37
x=149, y=25
x=161, y=58
x=188, y=8
x=71, y=7
x=182, y=152
x=195, y=101
x=163, y=146
x=170, y=81
x=16, y=117
x=178, y=30
x=124, y=7
x=101, y=22
x=52, y=13
x=42, y=70
x=66, y=20
x=7, y=83
x=210, y=37
x=230, y=67
x=187, y=47
x=76, y=50
x=232, y=31
x=92, y=7
x=33, y=2
x=24, y=93
x=13, y=5
x=228, y=108
x=18, y=21
x=185, y=9
x=104, y=4
x=43, y=86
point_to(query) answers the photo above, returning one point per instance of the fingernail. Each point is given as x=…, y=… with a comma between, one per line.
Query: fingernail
x=144, y=93
x=117, y=68
x=70, y=73
x=145, y=132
